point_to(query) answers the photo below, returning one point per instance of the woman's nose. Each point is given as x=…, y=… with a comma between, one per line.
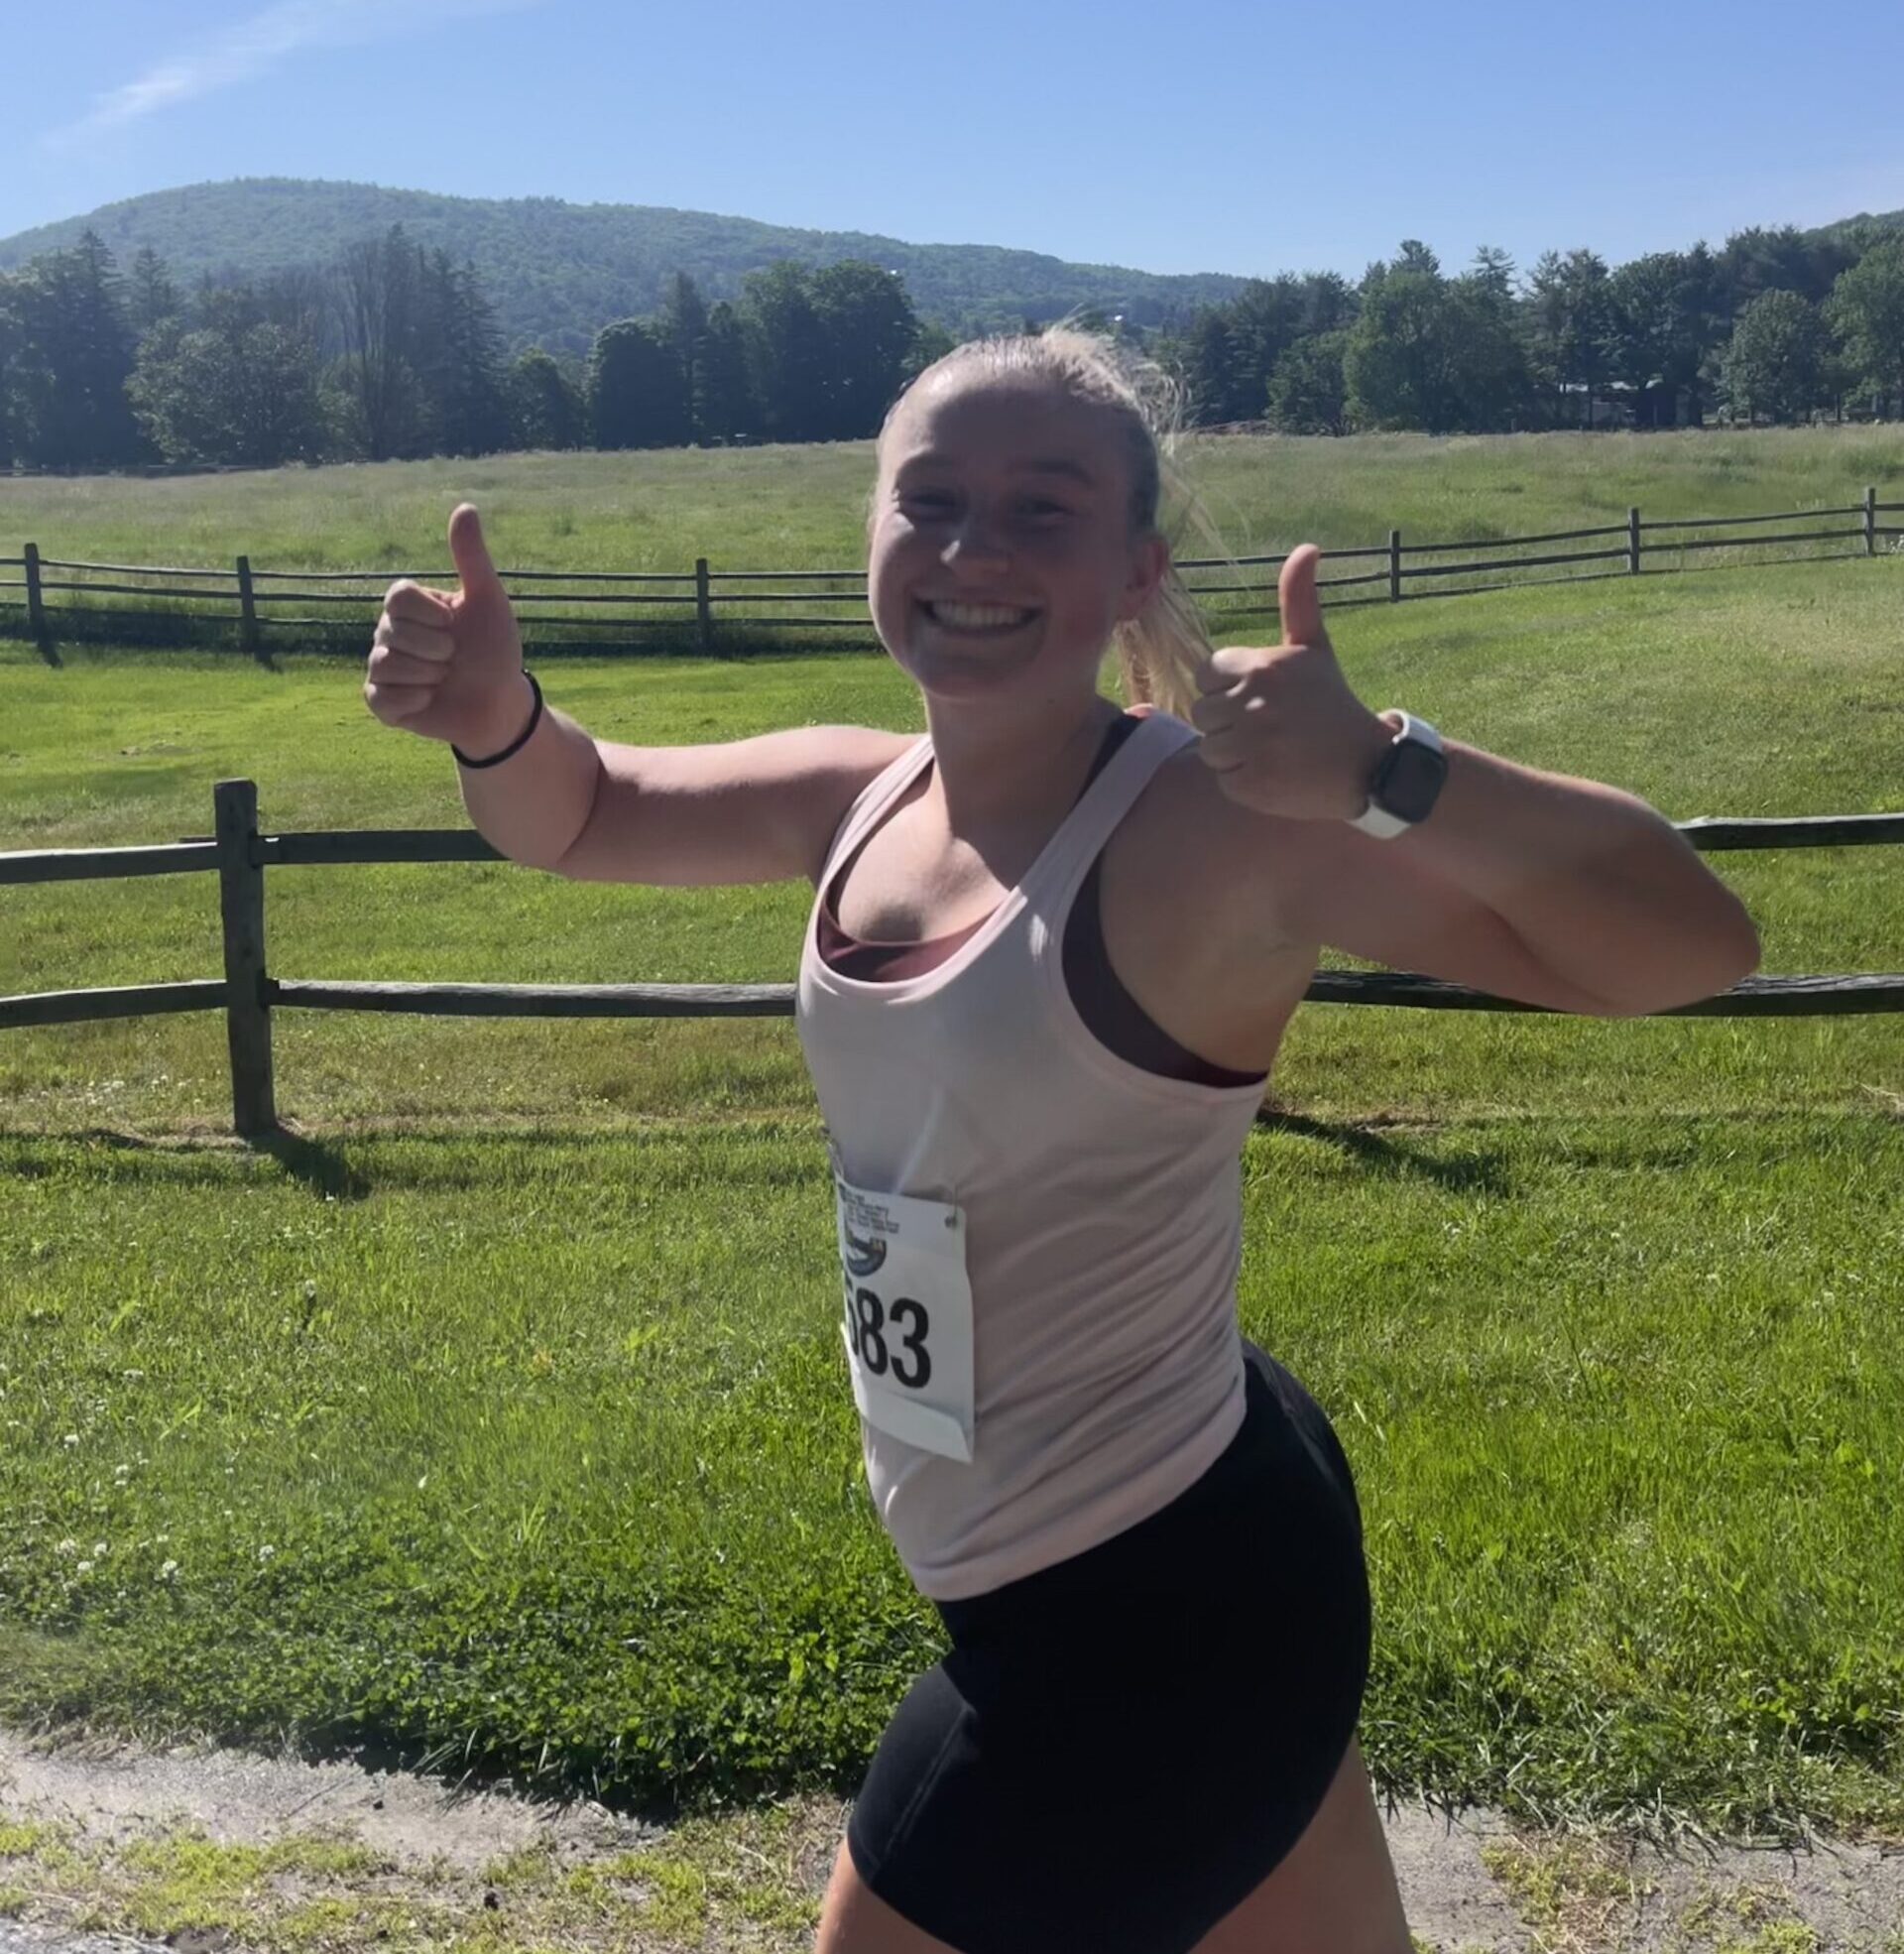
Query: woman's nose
x=974, y=541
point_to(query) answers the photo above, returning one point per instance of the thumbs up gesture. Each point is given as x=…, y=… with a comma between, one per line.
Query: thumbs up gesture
x=1282, y=729
x=449, y=664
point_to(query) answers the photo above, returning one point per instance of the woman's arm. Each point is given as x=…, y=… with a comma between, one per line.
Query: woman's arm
x=1533, y=886
x=763, y=809
x=1521, y=881
x=448, y=665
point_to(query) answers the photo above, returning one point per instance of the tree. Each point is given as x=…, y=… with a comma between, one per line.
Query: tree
x=1866, y=310
x=1571, y=310
x=1664, y=327
x=1207, y=364
x=10, y=342
x=72, y=354
x=786, y=352
x=1265, y=318
x=458, y=356
x=1308, y=394
x=235, y=389
x=151, y=295
x=300, y=299
x=635, y=391
x=1401, y=358
x=379, y=304
x=683, y=323
x=1492, y=384
x=729, y=410
x=1774, y=365
x=867, y=327
x=547, y=408
x=1757, y=260
x=930, y=344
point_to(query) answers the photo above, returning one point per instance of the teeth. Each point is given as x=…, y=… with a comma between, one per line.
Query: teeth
x=976, y=617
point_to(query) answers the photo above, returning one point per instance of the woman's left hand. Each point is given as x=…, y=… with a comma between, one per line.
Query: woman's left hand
x=1281, y=728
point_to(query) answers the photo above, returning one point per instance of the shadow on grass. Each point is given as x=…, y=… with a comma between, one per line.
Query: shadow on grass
x=1370, y=1149
x=318, y=1164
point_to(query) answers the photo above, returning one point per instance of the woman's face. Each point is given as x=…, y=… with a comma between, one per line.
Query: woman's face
x=1002, y=551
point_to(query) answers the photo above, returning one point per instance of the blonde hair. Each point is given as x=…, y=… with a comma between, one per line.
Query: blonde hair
x=1162, y=649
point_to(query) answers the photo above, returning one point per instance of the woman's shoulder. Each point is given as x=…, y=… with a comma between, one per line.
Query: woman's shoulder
x=1217, y=866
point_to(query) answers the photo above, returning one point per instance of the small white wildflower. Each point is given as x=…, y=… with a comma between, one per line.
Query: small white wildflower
x=71, y=1438
x=99, y=1550
x=120, y=1474
x=85, y=1567
x=265, y=1553
x=169, y=1570
x=68, y=1546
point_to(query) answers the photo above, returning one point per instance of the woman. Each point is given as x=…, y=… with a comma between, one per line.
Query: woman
x=1052, y=952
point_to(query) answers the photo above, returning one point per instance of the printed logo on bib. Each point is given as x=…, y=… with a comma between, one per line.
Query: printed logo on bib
x=908, y=1316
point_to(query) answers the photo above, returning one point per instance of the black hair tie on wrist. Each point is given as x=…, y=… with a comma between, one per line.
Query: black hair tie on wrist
x=520, y=739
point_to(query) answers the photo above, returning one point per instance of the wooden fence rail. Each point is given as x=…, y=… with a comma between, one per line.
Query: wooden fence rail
x=248, y=994
x=250, y=603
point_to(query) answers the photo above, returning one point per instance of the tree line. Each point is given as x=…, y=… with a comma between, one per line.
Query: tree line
x=1779, y=325
x=392, y=351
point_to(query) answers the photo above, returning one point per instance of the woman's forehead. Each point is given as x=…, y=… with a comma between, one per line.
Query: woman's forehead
x=1002, y=420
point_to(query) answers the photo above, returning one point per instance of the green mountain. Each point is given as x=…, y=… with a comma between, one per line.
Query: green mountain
x=1887, y=220
x=556, y=271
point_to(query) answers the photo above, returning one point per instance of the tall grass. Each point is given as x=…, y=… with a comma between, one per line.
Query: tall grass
x=792, y=508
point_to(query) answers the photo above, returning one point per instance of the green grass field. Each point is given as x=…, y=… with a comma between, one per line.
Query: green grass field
x=793, y=508
x=501, y=1413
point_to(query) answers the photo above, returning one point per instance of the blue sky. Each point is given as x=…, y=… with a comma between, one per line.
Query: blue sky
x=1204, y=134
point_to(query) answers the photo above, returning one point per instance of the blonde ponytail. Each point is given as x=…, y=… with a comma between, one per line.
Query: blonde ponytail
x=1162, y=649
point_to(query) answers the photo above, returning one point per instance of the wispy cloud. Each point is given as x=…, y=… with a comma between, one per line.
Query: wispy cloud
x=253, y=47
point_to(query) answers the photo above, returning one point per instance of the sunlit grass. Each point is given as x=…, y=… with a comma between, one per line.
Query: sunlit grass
x=502, y=1415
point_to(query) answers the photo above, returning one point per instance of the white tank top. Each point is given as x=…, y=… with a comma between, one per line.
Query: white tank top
x=1097, y=1206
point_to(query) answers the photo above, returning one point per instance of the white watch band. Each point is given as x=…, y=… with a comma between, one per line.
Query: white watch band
x=1377, y=821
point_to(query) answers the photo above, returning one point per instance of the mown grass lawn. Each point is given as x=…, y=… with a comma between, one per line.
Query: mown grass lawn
x=502, y=1413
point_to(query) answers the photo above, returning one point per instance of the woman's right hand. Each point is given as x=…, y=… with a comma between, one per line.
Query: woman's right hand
x=451, y=665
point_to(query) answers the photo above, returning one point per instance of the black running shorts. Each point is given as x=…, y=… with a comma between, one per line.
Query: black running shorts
x=1119, y=1748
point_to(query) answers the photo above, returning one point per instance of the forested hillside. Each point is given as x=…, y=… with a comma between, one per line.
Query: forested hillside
x=383, y=346
x=556, y=273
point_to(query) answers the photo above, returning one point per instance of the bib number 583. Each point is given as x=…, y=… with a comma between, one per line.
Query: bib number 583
x=884, y=1336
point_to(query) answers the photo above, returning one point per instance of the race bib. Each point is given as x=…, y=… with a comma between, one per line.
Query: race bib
x=908, y=1316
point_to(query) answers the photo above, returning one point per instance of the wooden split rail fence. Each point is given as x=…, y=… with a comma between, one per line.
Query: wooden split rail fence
x=54, y=597
x=248, y=994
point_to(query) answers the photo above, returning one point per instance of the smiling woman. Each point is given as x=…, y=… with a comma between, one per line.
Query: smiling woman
x=959, y=514
x=1050, y=954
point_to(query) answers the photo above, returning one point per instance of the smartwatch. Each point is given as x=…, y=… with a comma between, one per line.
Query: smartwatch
x=1406, y=781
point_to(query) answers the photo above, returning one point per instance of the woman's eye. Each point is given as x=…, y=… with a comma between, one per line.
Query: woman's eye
x=928, y=501
x=1041, y=507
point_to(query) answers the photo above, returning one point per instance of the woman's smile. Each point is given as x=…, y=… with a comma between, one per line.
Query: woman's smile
x=969, y=620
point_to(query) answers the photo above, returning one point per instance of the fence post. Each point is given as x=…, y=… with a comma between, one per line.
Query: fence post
x=246, y=607
x=703, y=615
x=1632, y=541
x=241, y=902
x=35, y=604
x=1871, y=523
x=1394, y=566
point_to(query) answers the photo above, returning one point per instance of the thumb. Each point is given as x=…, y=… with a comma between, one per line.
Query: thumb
x=1296, y=593
x=474, y=569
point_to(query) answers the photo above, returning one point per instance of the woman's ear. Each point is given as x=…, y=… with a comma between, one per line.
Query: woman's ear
x=1149, y=566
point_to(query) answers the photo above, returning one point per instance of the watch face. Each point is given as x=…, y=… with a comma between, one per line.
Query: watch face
x=1409, y=779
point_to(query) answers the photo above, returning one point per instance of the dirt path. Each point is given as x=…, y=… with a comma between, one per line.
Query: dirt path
x=106, y=1848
